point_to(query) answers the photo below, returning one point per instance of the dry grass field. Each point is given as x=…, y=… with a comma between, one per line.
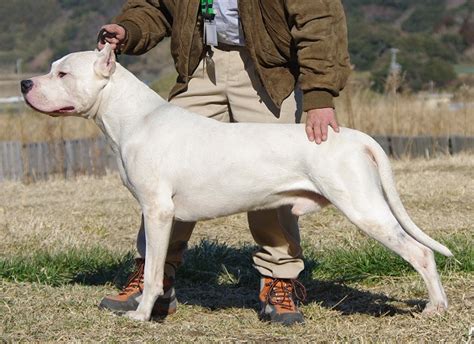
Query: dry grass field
x=79, y=232
x=408, y=114
x=29, y=126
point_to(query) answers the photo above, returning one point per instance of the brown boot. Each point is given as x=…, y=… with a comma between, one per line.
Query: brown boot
x=131, y=294
x=277, y=298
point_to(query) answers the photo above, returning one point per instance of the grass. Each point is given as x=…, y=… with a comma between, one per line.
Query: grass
x=216, y=263
x=65, y=244
x=404, y=115
x=371, y=261
x=25, y=125
x=78, y=265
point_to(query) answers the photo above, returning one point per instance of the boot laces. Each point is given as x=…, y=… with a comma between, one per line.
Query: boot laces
x=282, y=291
x=135, y=281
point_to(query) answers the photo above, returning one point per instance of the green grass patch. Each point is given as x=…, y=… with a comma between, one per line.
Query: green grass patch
x=216, y=263
x=371, y=260
x=79, y=265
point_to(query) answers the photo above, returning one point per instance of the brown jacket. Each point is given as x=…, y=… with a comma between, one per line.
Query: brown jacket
x=289, y=41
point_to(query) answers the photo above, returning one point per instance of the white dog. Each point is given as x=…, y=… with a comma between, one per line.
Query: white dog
x=181, y=165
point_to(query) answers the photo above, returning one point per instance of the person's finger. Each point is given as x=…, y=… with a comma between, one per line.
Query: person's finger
x=112, y=33
x=334, y=125
x=111, y=28
x=101, y=46
x=115, y=29
x=317, y=132
x=112, y=40
x=309, y=132
x=324, y=130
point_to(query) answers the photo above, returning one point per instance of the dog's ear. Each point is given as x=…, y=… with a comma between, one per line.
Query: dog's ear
x=105, y=63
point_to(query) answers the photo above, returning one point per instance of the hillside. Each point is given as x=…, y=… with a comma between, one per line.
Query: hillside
x=40, y=31
x=432, y=35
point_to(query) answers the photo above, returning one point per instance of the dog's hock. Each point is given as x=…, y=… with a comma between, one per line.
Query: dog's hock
x=106, y=63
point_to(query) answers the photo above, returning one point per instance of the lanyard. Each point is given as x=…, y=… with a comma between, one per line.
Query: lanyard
x=207, y=11
x=210, y=28
x=210, y=37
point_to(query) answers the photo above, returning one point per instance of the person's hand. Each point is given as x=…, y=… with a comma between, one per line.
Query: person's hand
x=115, y=36
x=317, y=122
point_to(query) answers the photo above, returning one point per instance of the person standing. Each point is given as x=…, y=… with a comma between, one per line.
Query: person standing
x=266, y=61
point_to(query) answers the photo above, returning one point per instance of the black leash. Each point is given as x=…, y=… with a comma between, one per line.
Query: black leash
x=103, y=34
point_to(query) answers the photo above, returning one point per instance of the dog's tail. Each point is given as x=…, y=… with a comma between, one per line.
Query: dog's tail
x=388, y=184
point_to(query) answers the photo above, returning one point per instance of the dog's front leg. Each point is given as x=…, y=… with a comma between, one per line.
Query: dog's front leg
x=158, y=216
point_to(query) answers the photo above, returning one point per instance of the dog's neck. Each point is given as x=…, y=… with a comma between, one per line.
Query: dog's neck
x=116, y=118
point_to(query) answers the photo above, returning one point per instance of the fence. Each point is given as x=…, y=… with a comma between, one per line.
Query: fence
x=424, y=146
x=38, y=161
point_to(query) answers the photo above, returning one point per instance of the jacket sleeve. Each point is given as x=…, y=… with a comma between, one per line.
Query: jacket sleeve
x=319, y=30
x=147, y=22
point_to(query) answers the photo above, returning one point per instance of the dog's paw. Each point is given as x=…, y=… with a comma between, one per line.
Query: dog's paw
x=135, y=315
x=431, y=310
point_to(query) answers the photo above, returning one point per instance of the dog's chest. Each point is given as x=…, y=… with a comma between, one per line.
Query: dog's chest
x=208, y=205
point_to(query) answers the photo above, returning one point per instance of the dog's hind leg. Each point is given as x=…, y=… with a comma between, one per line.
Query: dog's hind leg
x=158, y=217
x=378, y=222
x=361, y=199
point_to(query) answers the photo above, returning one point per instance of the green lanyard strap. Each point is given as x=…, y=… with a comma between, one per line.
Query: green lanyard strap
x=207, y=11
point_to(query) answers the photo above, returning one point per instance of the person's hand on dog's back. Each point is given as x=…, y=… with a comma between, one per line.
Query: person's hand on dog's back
x=116, y=36
x=318, y=122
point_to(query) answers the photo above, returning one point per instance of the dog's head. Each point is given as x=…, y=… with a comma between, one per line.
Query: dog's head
x=73, y=85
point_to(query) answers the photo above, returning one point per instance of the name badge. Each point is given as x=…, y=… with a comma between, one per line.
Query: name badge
x=210, y=33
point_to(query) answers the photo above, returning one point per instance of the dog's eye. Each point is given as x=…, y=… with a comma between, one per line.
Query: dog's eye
x=62, y=74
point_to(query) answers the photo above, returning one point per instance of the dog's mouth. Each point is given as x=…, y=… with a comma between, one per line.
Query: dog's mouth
x=66, y=109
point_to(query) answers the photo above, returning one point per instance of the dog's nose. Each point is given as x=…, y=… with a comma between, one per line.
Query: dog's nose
x=26, y=86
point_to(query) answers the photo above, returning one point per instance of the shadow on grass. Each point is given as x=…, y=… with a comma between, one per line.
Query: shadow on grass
x=328, y=294
x=214, y=276
x=218, y=276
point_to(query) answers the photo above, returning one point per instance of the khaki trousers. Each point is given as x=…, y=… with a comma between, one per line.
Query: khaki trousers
x=238, y=96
